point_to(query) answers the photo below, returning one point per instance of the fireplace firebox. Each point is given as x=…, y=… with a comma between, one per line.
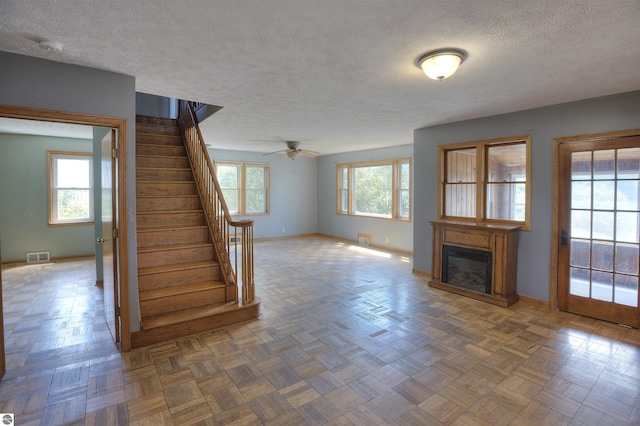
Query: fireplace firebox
x=467, y=268
x=475, y=260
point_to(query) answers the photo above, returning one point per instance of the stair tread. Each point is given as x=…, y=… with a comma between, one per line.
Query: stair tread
x=146, y=212
x=168, y=196
x=159, y=144
x=160, y=156
x=161, y=228
x=173, y=125
x=140, y=126
x=175, y=290
x=176, y=267
x=186, y=315
x=178, y=246
x=162, y=168
x=172, y=228
x=157, y=182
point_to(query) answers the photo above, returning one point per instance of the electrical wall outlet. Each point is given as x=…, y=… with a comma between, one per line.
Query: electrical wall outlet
x=283, y=229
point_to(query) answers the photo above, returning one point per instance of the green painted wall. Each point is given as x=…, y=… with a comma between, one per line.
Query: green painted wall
x=23, y=200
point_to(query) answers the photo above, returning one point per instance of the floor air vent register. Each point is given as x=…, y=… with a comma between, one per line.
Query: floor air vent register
x=38, y=257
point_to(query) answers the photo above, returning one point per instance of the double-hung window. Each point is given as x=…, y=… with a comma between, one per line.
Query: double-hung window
x=245, y=187
x=70, y=187
x=375, y=188
x=486, y=181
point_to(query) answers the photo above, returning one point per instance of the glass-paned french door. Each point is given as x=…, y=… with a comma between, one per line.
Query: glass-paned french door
x=599, y=221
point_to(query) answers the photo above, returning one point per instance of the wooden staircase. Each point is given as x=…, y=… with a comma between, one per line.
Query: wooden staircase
x=181, y=290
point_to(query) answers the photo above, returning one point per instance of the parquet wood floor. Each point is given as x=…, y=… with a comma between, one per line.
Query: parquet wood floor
x=347, y=336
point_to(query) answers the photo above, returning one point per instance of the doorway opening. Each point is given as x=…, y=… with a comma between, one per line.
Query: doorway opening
x=119, y=127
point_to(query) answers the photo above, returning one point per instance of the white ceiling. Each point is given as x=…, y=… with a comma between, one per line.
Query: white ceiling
x=340, y=74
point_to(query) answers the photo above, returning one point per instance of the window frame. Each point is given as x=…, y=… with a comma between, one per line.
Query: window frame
x=52, y=188
x=242, y=181
x=482, y=182
x=396, y=190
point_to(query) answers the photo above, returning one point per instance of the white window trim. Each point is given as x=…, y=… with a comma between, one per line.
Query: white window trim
x=52, y=157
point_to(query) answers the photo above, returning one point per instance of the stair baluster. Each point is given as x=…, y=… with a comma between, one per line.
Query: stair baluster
x=234, y=258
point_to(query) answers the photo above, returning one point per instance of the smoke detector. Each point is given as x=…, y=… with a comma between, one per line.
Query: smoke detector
x=50, y=46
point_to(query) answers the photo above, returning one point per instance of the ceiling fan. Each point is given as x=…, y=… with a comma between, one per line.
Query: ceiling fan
x=293, y=151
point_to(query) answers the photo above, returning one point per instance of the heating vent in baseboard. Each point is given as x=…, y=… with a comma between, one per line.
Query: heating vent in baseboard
x=364, y=240
x=39, y=257
x=235, y=239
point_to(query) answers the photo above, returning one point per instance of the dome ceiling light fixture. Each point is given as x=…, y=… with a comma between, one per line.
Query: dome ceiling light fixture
x=442, y=63
x=50, y=46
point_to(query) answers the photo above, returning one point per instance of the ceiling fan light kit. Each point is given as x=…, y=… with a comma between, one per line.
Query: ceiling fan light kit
x=442, y=63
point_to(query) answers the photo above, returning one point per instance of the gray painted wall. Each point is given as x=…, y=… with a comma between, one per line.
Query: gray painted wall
x=611, y=113
x=152, y=105
x=293, y=193
x=37, y=83
x=23, y=200
x=399, y=233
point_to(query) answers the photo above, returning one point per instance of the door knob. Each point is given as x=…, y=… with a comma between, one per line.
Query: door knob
x=100, y=240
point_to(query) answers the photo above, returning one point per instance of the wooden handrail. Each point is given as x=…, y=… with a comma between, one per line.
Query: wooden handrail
x=223, y=229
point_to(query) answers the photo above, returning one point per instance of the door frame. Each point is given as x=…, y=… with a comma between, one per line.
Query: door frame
x=120, y=124
x=555, y=230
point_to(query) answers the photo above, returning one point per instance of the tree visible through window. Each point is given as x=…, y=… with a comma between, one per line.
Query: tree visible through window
x=245, y=187
x=70, y=187
x=372, y=190
x=379, y=189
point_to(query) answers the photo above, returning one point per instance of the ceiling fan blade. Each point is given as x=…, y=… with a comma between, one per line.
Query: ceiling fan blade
x=276, y=152
x=310, y=154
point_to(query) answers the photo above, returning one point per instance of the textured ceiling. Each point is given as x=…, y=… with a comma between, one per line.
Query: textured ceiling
x=340, y=74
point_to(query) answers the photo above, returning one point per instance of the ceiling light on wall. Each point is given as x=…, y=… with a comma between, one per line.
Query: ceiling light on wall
x=442, y=63
x=50, y=45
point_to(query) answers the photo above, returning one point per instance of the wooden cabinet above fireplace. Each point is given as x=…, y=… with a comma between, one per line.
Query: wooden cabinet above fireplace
x=475, y=260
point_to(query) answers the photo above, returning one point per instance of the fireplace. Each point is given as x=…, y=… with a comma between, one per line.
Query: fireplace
x=467, y=268
x=475, y=260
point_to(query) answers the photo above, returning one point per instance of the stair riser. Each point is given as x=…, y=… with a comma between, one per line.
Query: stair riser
x=173, y=236
x=169, y=257
x=182, y=301
x=154, y=161
x=177, y=219
x=156, y=121
x=163, y=174
x=147, y=204
x=172, y=278
x=155, y=139
x=158, y=130
x=161, y=334
x=166, y=150
x=152, y=189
